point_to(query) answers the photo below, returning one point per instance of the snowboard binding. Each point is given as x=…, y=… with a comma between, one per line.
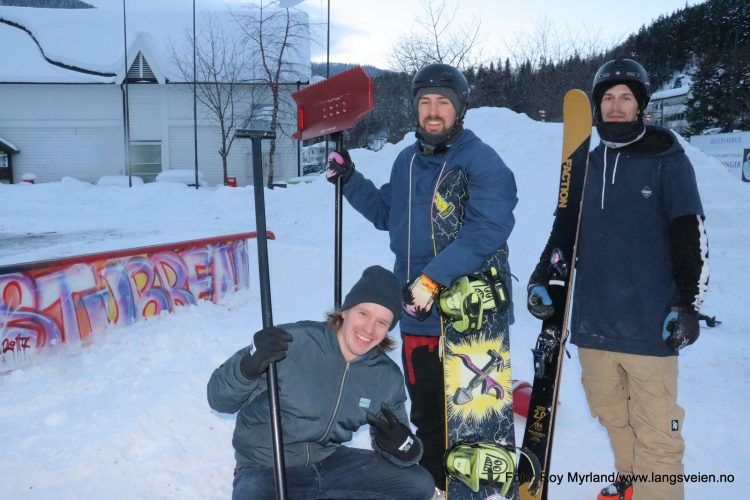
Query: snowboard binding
x=546, y=343
x=475, y=464
x=468, y=297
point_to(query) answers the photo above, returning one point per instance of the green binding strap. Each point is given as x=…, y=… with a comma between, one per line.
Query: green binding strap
x=474, y=463
x=465, y=301
x=477, y=463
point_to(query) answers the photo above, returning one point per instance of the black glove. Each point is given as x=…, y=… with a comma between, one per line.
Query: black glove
x=539, y=302
x=340, y=166
x=681, y=327
x=392, y=436
x=270, y=344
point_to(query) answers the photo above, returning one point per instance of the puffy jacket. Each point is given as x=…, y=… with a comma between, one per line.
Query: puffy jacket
x=624, y=283
x=322, y=398
x=402, y=207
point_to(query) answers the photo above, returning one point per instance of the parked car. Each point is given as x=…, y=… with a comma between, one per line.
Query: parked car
x=315, y=168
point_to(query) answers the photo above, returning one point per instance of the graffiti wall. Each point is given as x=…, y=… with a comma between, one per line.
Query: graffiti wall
x=71, y=301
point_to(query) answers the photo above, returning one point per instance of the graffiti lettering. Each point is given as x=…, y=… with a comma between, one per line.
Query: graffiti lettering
x=18, y=344
x=75, y=302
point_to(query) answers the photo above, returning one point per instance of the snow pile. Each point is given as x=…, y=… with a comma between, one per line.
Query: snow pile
x=183, y=176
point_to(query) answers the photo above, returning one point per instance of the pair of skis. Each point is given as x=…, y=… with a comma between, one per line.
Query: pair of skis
x=550, y=347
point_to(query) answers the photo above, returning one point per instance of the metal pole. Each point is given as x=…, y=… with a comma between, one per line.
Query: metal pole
x=195, y=104
x=328, y=57
x=338, y=203
x=299, y=146
x=126, y=99
x=265, y=301
x=338, y=230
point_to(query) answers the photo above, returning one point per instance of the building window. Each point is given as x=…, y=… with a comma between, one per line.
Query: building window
x=145, y=160
x=3, y=160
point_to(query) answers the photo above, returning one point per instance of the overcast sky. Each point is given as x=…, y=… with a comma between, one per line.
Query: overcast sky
x=363, y=31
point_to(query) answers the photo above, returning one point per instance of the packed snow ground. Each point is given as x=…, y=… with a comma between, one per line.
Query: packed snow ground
x=128, y=418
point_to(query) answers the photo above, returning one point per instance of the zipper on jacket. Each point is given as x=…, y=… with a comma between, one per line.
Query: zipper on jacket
x=408, y=224
x=333, y=415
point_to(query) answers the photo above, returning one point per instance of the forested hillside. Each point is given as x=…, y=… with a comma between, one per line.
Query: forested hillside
x=708, y=44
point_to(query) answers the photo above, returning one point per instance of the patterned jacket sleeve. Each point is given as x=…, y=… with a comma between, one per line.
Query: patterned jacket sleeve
x=689, y=250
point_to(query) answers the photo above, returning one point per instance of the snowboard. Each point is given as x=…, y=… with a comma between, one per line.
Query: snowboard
x=550, y=345
x=476, y=364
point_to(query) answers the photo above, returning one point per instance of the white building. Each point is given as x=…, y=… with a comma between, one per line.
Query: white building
x=63, y=89
x=667, y=108
x=314, y=156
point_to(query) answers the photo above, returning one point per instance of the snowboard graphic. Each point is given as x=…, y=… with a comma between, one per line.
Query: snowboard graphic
x=477, y=376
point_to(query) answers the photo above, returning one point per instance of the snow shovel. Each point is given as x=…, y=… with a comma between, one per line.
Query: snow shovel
x=329, y=107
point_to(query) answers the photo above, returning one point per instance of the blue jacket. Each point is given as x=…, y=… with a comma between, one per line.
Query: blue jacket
x=624, y=282
x=402, y=207
x=322, y=398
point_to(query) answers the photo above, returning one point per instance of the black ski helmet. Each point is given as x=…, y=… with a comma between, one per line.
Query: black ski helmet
x=625, y=71
x=436, y=76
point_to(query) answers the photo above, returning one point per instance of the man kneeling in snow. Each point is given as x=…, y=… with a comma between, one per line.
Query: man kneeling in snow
x=333, y=377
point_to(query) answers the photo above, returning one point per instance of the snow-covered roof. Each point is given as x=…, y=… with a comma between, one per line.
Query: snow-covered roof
x=9, y=145
x=33, y=40
x=665, y=94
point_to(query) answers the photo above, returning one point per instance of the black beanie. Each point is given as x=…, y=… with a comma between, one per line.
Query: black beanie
x=379, y=286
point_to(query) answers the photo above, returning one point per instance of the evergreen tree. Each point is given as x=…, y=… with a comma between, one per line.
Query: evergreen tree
x=710, y=40
x=702, y=112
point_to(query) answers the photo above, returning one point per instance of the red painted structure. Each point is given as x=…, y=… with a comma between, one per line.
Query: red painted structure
x=73, y=300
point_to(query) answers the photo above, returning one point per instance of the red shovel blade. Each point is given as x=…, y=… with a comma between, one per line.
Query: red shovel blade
x=334, y=104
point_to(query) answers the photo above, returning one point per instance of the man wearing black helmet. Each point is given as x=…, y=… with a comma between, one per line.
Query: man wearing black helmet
x=402, y=206
x=641, y=276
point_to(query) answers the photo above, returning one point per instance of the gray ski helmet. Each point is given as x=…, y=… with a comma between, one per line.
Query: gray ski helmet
x=436, y=76
x=625, y=71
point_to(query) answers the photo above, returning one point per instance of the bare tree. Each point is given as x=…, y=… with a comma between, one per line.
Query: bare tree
x=546, y=44
x=538, y=48
x=437, y=38
x=274, y=40
x=219, y=73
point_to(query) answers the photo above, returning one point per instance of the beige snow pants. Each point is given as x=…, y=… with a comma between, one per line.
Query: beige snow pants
x=635, y=399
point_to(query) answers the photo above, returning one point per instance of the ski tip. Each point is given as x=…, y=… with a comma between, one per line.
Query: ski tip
x=577, y=122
